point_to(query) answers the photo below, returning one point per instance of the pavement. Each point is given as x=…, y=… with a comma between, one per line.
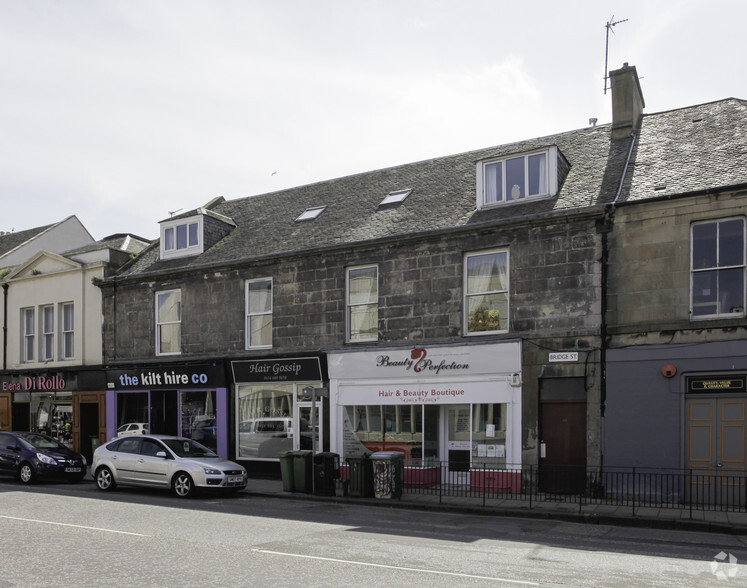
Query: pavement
x=559, y=508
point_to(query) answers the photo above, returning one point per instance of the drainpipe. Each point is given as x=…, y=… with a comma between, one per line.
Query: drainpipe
x=605, y=228
x=5, y=326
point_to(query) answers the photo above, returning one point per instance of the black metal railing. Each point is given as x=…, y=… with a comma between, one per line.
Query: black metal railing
x=533, y=485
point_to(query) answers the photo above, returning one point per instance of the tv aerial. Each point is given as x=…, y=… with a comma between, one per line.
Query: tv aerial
x=610, y=23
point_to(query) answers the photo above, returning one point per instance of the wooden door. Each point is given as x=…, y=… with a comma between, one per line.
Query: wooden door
x=715, y=449
x=5, y=412
x=562, y=464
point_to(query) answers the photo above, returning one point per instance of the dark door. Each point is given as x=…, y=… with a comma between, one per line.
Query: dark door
x=20, y=416
x=164, y=414
x=562, y=425
x=89, y=428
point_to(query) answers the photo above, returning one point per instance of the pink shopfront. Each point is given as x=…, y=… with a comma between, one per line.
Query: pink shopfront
x=458, y=406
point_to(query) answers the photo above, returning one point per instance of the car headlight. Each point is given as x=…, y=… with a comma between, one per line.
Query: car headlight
x=84, y=460
x=46, y=459
x=212, y=471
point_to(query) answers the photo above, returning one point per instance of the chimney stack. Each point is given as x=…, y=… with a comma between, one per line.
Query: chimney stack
x=627, y=101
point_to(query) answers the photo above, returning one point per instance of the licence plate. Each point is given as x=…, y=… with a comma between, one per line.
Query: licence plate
x=235, y=479
x=72, y=470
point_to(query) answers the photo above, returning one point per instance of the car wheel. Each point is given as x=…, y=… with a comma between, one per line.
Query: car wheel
x=26, y=473
x=105, y=479
x=182, y=485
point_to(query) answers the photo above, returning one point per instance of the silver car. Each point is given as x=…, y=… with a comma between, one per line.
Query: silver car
x=178, y=463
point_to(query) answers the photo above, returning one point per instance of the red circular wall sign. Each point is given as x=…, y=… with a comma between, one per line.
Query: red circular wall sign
x=668, y=371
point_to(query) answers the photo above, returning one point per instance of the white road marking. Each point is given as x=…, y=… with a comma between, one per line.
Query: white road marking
x=375, y=565
x=75, y=526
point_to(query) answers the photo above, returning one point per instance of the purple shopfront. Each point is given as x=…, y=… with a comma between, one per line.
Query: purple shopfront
x=186, y=400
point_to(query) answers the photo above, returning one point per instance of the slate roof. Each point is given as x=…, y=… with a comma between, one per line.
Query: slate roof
x=689, y=150
x=687, y=155
x=119, y=242
x=10, y=241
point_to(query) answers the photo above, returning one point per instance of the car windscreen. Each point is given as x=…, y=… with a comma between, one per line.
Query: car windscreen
x=188, y=448
x=40, y=441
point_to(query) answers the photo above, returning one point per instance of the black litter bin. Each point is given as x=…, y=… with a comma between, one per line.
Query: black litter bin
x=361, y=476
x=302, y=471
x=326, y=472
x=286, y=471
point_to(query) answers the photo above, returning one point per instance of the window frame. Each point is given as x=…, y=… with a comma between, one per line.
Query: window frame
x=717, y=269
x=349, y=306
x=467, y=294
x=160, y=324
x=170, y=239
x=47, y=328
x=248, y=315
x=551, y=180
x=67, y=331
x=29, y=336
x=310, y=213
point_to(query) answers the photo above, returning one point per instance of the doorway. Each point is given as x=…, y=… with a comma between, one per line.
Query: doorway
x=89, y=428
x=715, y=449
x=562, y=428
x=164, y=413
x=304, y=435
x=457, y=443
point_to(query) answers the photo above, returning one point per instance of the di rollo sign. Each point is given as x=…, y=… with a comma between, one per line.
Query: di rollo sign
x=35, y=384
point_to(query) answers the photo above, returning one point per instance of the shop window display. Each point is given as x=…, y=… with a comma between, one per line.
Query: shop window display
x=489, y=435
x=265, y=420
x=198, y=417
x=383, y=428
x=477, y=433
x=132, y=407
x=187, y=413
x=52, y=414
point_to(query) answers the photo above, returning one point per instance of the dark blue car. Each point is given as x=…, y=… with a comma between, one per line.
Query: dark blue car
x=32, y=456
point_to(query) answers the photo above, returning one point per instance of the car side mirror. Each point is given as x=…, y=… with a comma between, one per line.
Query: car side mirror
x=161, y=454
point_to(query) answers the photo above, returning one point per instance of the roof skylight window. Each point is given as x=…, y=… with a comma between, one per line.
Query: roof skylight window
x=395, y=197
x=311, y=213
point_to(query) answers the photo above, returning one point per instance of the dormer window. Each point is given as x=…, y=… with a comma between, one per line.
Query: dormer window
x=517, y=178
x=181, y=238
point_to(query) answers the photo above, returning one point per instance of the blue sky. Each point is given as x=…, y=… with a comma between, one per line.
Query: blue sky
x=123, y=111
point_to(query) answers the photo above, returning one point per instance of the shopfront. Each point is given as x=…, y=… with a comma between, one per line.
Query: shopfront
x=186, y=400
x=453, y=405
x=272, y=413
x=66, y=404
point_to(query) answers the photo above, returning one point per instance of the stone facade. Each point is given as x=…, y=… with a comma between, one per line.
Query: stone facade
x=649, y=271
x=555, y=301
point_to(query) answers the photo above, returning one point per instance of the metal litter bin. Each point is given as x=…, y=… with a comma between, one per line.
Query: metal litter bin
x=361, y=476
x=302, y=471
x=286, y=471
x=326, y=472
x=388, y=473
